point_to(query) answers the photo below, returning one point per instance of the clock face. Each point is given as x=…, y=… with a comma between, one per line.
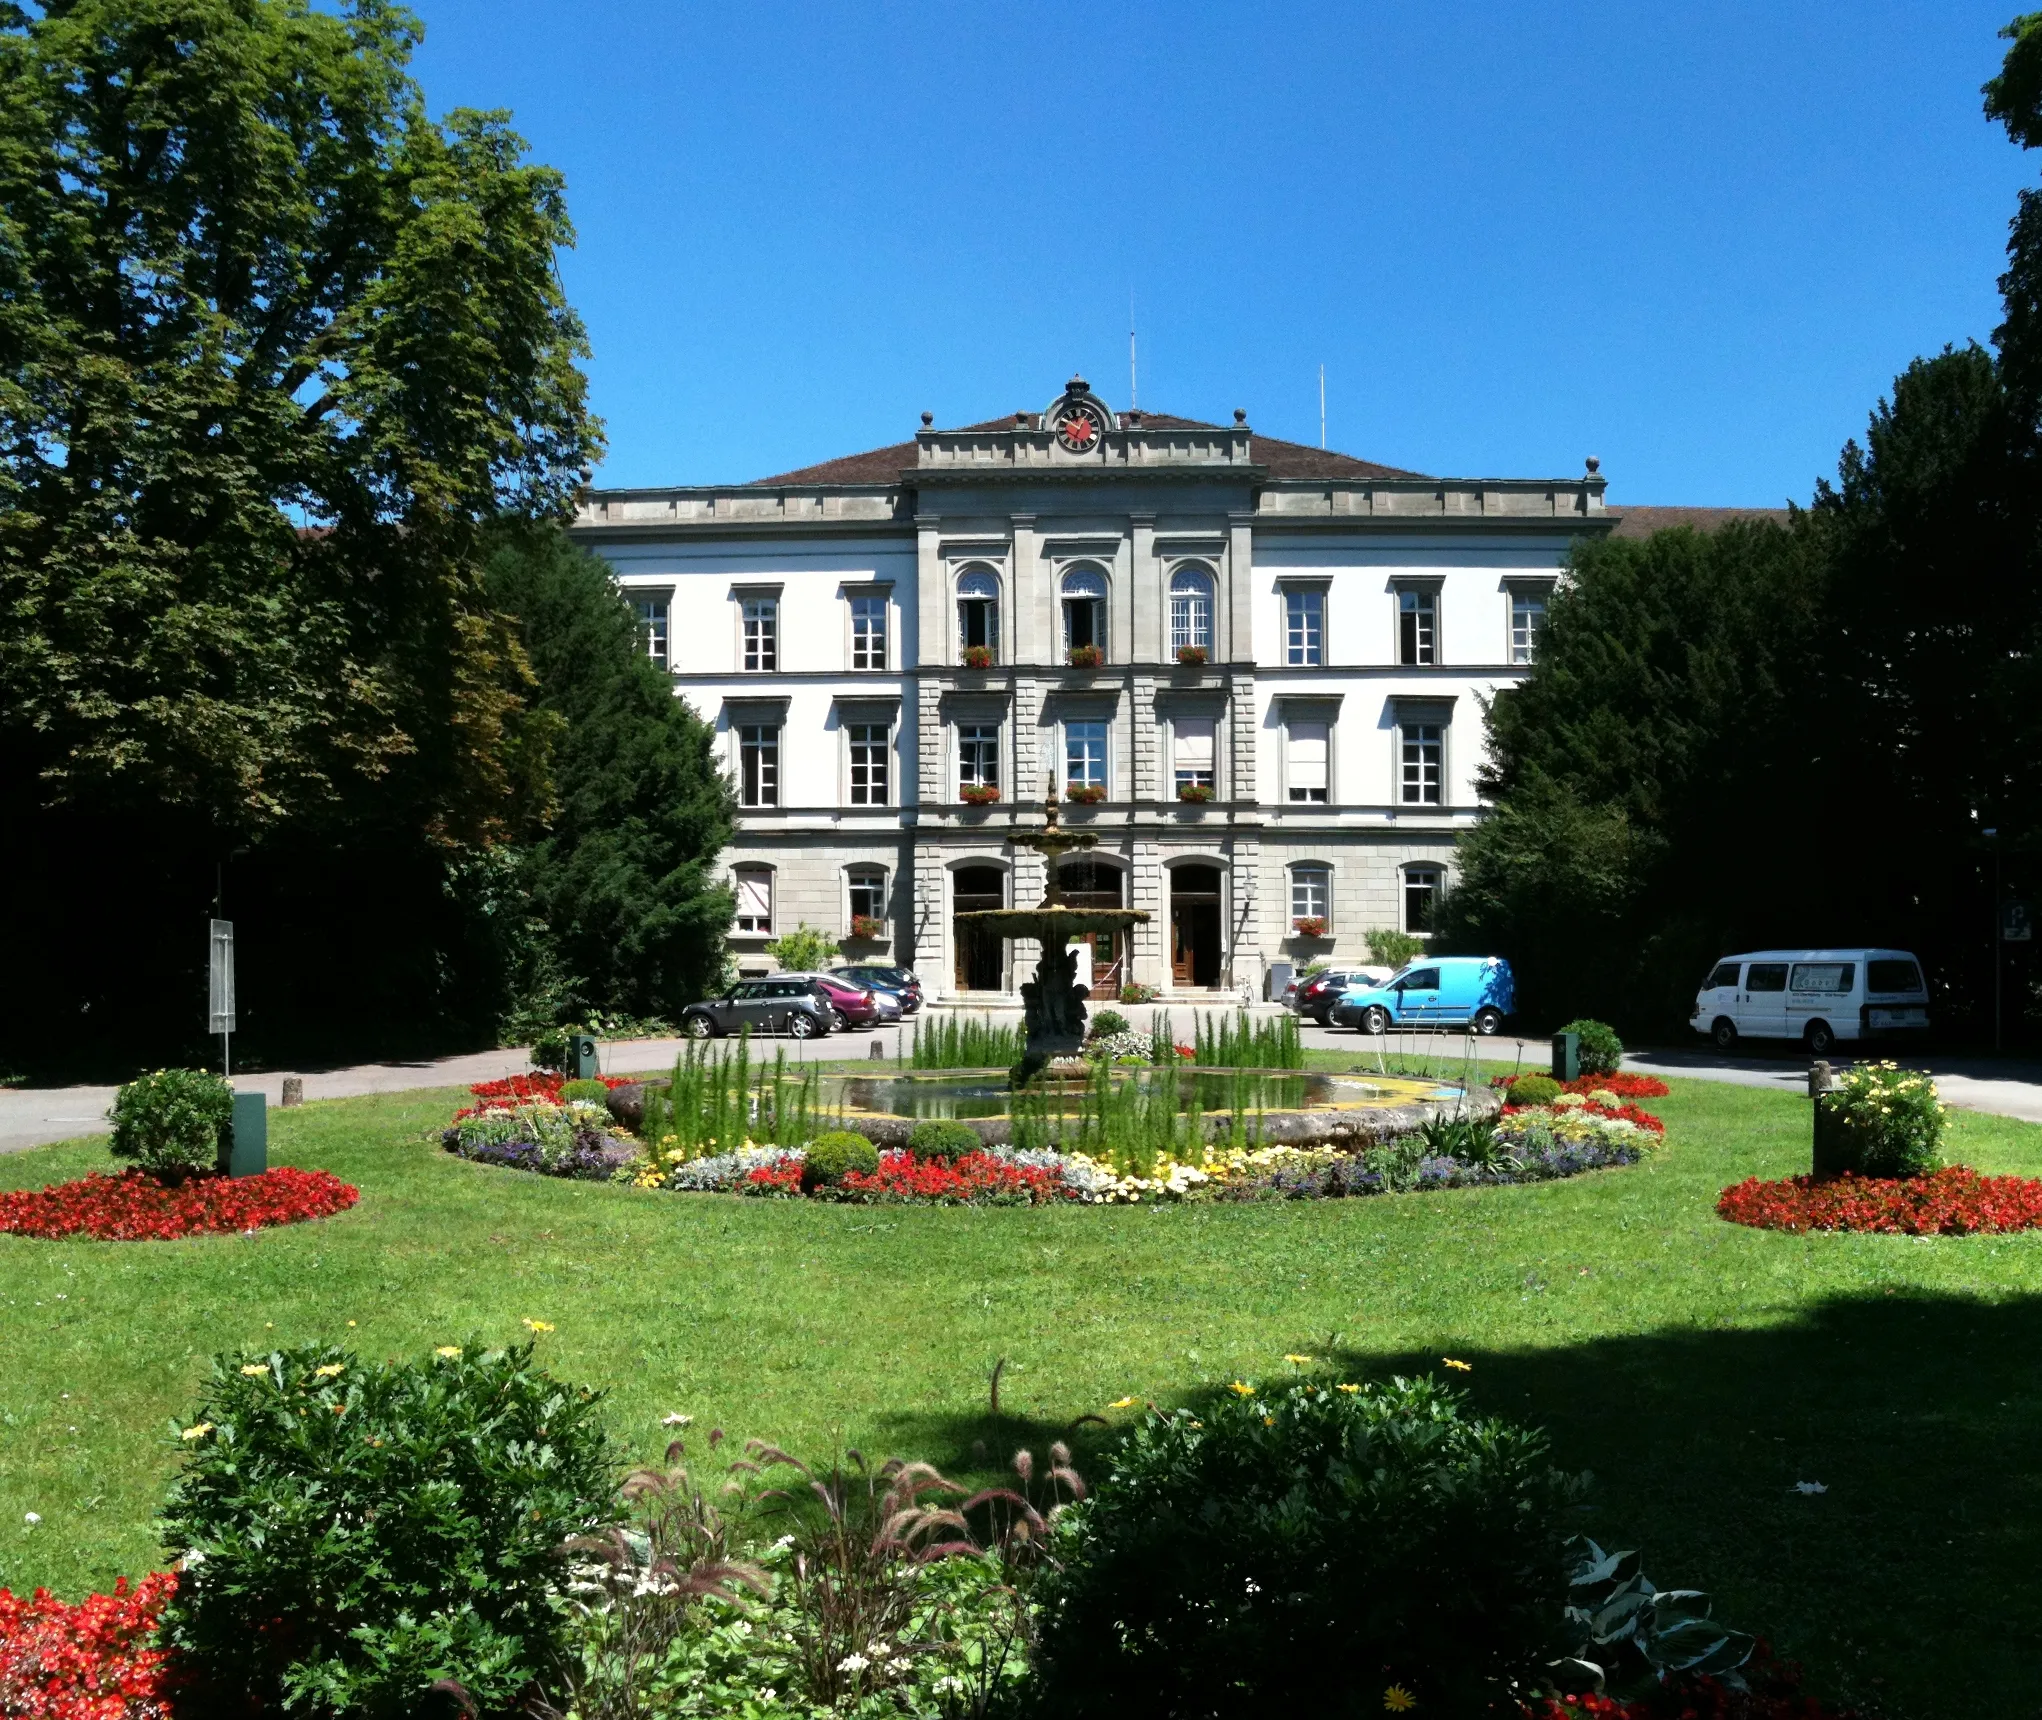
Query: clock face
x=1079, y=429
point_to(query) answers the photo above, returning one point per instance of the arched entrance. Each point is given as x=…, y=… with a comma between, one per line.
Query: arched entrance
x=1092, y=883
x=1196, y=947
x=981, y=956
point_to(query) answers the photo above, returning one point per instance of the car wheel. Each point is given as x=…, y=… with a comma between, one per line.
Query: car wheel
x=1724, y=1033
x=838, y=1020
x=1818, y=1036
x=1375, y=1020
x=697, y=1026
x=802, y=1025
x=1487, y=1022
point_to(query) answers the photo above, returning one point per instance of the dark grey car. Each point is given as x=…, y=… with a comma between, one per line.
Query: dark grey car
x=787, y=1006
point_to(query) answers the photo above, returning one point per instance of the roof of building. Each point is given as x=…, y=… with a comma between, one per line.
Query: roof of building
x=1643, y=522
x=1282, y=459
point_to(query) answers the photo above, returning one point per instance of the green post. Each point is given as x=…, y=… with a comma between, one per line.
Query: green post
x=1831, y=1152
x=1566, y=1057
x=247, y=1144
x=583, y=1063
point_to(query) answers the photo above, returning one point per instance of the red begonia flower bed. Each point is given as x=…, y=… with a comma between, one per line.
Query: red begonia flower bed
x=974, y=1178
x=1623, y=1086
x=1952, y=1202
x=540, y=1089
x=135, y=1207
x=1627, y=1113
x=85, y=1662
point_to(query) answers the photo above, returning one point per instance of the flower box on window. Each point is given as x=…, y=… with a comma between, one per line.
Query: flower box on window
x=978, y=656
x=1086, y=657
x=1310, y=926
x=867, y=926
x=1191, y=654
x=1197, y=793
x=1085, y=793
x=978, y=794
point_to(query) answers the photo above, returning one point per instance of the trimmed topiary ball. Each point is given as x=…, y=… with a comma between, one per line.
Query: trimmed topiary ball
x=172, y=1123
x=1106, y=1022
x=833, y=1156
x=588, y=1092
x=1534, y=1090
x=1602, y=1052
x=942, y=1141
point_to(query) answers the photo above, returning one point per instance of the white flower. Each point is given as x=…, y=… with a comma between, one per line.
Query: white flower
x=853, y=1663
x=676, y=1419
x=784, y=1542
x=194, y=1558
x=32, y=1518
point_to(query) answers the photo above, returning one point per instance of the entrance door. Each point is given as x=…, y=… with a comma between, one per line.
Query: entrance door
x=1195, y=925
x=981, y=960
x=1089, y=883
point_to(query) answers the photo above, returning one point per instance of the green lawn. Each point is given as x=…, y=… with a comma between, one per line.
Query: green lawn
x=1698, y=1369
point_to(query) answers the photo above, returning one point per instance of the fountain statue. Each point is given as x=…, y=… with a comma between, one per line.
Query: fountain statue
x=1053, y=1003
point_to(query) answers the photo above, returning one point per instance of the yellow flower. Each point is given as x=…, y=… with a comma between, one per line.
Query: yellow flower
x=539, y=1325
x=255, y=1368
x=329, y=1370
x=1123, y=1403
x=1398, y=1700
x=1346, y=1388
x=1458, y=1367
x=350, y=1322
x=1269, y=1421
x=1301, y=1361
x=451, y=1351
x=198, y=1432
x=1241, y=1389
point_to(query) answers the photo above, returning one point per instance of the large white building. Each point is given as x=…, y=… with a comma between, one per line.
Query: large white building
x=1255, y=669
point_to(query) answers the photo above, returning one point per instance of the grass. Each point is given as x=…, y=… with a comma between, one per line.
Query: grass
x=1698, y=1369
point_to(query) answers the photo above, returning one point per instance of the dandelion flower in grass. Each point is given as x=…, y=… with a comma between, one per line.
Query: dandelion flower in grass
x=329, y=1370
x=198, y=1430
x=1123, y=1403
x=1458, y=1367
x=1242, y=1389
x=254, y=1368
x=538, y=1325
x=1398, y=1700
x=452, y=1352
x=1301, y=1361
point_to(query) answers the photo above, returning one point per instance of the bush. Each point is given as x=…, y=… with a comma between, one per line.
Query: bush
x=1392, y=949
x=1108, y=1021
x=549, y=1050
x=1602, y=1052
x=806, y=949
x=172, y=1122
x=355, y=1531
x=1534, y=1090
x=943, y=1142
x=1886, y=1121
x=589, y=1092
x=830, y=1157
x=1261, y=1555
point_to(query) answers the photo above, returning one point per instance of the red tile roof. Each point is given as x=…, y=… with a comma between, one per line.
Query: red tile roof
x=1643, y=522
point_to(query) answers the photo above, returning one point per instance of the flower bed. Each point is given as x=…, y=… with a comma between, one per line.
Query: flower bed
x=1620, y=1085
x=91, y=1661
x=1955, y=1201
x=135, y=1207
x=516, y=1090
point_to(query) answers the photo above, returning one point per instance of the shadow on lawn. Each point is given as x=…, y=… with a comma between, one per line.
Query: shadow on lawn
x=1907, y=1586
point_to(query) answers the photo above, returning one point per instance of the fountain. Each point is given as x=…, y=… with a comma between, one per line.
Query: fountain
x=1053, y=1003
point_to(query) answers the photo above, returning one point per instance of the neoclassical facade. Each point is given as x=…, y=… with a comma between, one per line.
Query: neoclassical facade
x=1254, y=669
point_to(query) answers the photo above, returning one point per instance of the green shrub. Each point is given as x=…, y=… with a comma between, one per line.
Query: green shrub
x=1534, y=1090
x=943, y=1141
x=588, y=1092
x=1887, y=1121
x=806, y=949
x=549, y=1050
x=355, y=1531
x=830, y=1157
x=173, y=1121
x=1602, y=1052
x=1108, y=1021
x=1263, y=1554
x=1392, y=949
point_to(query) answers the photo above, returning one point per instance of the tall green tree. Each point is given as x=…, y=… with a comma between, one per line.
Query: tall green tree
x=624, y=875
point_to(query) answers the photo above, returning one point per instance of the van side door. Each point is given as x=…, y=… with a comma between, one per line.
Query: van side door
x=1418, y=995
x=1762, y=1003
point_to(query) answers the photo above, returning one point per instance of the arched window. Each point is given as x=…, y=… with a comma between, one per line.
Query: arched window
x=1084, y=594
x=1423, y=886
x=978, y=616
x=1190, y=610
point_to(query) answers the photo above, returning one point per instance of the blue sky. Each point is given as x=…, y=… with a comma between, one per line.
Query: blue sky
x=1697, y=241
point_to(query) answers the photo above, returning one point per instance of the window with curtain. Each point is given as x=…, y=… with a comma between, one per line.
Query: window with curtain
x=1304, y=627
x=758, y=758
x=1190, y=609
x=1085, y=755
x=754, y=899
x=978, y=612
x=1192, y=747
x=652, y=616
x=868, y=631
x=1309, y=746
x=869, y=746
x=1084, y=599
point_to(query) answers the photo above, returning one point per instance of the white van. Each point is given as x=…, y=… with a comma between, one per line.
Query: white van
x=1815, y=996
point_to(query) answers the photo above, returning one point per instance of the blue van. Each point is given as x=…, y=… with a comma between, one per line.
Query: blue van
x=1434, y=991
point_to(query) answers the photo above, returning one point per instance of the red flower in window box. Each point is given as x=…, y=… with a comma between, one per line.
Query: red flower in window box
x=978, y=794
x=1191, y=654
x=978, y=656
x=866, y=926
x=1085, y=793
x=1198, y=793
x=1086, y=656
x=1310, y=926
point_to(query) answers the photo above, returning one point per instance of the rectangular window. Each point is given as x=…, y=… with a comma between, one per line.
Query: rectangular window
x=1304, y=627
x=1085, y=755
x=978, y=624
x=1830, y=978
x=1311, y=894
x=652, y=617
x=868, y=895
x=1766, y=976
x=758, y=752
x=754, y=901
x=1305, y=774
x=1725, y=975
x=868, y=763
x=1893, y=976
x=1527, y=616
x=761, y=634
x=868, y=632
x=1421, y=897
x=1084, y=624
x=1191, y=748
x=1417, y=624
x=978, y=755
x=1421, y=746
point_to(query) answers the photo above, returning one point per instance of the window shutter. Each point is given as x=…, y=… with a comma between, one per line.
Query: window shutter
x=1194, y=743
x=755, y=895
x=1308, y=754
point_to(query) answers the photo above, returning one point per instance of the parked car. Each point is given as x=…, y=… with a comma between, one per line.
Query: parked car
x=1436, y=991
x=780, y=1003
x=1317, y=993
x=900, y=981
x=850, y=1004
x=1815, y=996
